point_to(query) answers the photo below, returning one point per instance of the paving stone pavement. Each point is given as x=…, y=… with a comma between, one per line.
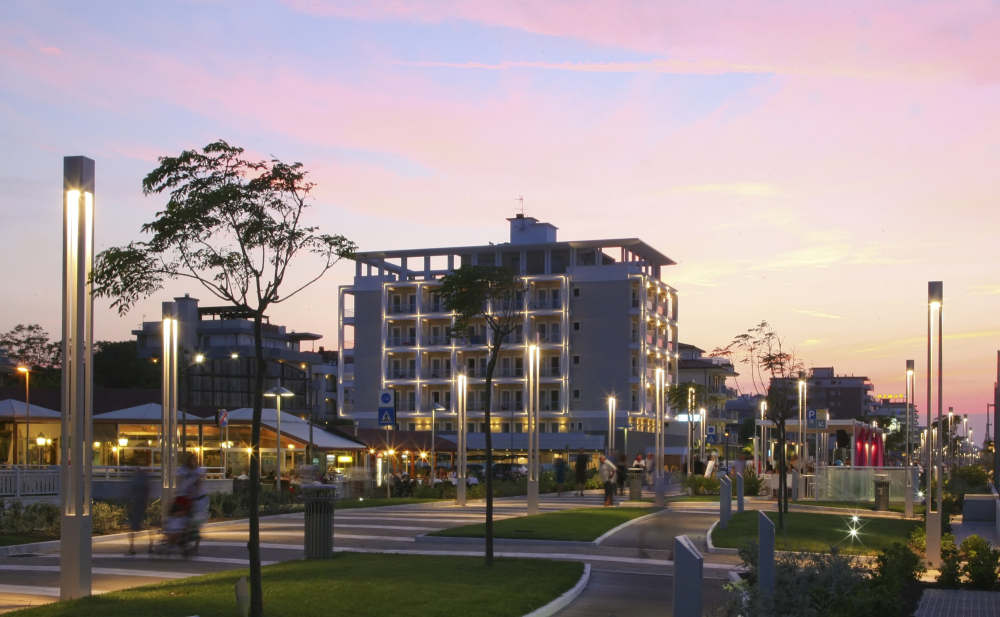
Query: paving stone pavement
x=33, y=579
x=958, y=603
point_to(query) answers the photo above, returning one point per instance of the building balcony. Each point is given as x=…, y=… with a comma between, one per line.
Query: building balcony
x=515, y=338
x=435, y=307
x=401, y=341
x=546, y=304
x=550, y=406
x=406, y=406
x=437, y=341
x=436, y=373
x=475, y=406
x=551, y=371
x=401, y=374
x=509, y=372
x=348, y=315
x=348, y=378
x=510, y=406
x=401, y=309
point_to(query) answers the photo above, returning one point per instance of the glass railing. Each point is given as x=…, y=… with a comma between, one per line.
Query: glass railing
x=402, y=309
x=437, y=373
x=402, y=374
x=400, y=341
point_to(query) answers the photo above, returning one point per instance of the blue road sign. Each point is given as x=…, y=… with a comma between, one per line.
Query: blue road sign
x=386, y=408
x=710, y=438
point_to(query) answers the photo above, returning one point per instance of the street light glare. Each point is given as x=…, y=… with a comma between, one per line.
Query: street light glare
x=22, y=369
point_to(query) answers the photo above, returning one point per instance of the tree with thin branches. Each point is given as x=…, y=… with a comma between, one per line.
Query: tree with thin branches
x=773, y=367
x=494, y=296
x=234, y=225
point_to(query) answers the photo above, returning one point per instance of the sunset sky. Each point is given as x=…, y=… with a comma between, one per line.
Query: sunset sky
x=811, y=164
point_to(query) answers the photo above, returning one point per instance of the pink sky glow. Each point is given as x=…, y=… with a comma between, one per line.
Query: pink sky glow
x=811, y=164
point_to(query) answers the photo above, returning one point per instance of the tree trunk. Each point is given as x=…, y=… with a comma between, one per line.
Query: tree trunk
x=494, y=355
x=253, y=544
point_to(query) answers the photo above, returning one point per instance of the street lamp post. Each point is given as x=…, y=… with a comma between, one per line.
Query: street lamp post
x=27, y=415
x=436, y=407
x=910, y=367
x=950, y=441
x=40, y=442
x=279, y=393
x=800, y=429
x=660, y=499
x=611, y=424
x=534, y=410
x=935, y=303
x=462, y=428
x=75, y=462
x=702, y=416
x=763, y=439
x=690, y=430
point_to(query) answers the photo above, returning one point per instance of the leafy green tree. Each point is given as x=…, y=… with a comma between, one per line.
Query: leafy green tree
x=493, y=295
x=117, y=365
x=773, y=368
x=30, y=345
x=233, y=225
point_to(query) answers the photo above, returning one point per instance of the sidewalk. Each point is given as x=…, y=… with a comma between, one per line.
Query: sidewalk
x=958, y=603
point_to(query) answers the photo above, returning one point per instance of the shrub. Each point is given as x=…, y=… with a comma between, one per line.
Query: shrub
x=152, y=518
x=17, y=518
x=107, y=517
x=700, y=485
x=918, y=540
x=951, y=571
x=753, y=484
x=981, y=562
x=897, y=565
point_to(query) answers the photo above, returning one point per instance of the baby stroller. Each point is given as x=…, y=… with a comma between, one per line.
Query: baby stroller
x=179, y=533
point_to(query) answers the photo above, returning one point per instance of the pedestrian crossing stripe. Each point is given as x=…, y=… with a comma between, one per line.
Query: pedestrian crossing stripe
x=386, y=418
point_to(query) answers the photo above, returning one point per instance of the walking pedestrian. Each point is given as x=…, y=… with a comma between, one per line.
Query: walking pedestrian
x=608, y=471
x=650, y=470
x=622, y=466
x=560, y=469
x=580, y=469
x=138, y=502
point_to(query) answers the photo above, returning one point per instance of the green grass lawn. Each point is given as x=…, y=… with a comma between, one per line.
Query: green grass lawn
x=376, y=502
x=13, y=538
x=581, y=525
x=805, y=531
x=362, y=584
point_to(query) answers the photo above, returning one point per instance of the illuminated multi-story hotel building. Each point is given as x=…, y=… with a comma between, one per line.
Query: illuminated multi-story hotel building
x=604, y=319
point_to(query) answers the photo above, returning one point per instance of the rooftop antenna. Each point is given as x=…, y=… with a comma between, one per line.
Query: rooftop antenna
x=520, y=198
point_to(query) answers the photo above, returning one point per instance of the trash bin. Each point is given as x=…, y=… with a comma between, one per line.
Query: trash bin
x=882, y=493
x=635, y=484
x=319, y=500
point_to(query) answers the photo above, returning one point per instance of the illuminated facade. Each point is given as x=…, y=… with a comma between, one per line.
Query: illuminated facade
x=604, y=320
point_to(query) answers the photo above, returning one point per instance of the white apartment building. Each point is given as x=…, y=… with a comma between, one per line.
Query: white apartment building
x=604, y=319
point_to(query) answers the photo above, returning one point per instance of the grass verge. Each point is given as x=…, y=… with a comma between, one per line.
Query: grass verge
x=346, y=504
x=805, y=531
x=578, y=525
x=361, y=584
x=10, y=539
x=862, y=506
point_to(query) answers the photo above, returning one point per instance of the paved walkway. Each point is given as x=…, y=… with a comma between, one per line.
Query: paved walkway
x=645, y=548
x=958, y=602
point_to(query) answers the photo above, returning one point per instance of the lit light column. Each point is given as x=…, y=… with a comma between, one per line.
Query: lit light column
x=279, y=393
x=660, y=498
x=935, y=303
x=690, y=430
x=800, y=429
x=462, y=430
x=27, y=419
x=611, y=424
x=910, y=488
x=76, y=461
x=763, y=436
x=534, y=372
x=168, y=443
x=702, y=417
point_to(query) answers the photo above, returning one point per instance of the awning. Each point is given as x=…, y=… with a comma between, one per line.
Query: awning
x=546, y=441
x=405, y=441
x=293, y=426
x=17, y=410
x=149, y=413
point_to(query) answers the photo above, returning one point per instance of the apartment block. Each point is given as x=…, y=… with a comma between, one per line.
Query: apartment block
x=603, y=317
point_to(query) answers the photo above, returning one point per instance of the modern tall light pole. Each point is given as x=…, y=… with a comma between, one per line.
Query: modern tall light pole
x=434, y=409
x=965, y=432
x=279, y=393
x=690, y=430
x=935, y=304
x=168, y=429
x=76, y=463
x=949, y=440
x=611, y=424
x=763, y=440
x=702, y=417
x=800, y=429
x=660, y=499
x=534, y=409
x=27, y=416
x=462, y=434
x=910, y=488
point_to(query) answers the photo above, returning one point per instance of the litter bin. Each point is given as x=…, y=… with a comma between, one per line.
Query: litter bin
x=882, y=493
x=635, y=484
x=319, y=500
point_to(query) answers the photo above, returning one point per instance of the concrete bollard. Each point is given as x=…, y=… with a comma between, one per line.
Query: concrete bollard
x=765, y=554
x=688, y=564
x=739, y=493
x=725, y=501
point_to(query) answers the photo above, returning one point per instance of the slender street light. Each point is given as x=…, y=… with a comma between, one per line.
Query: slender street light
x=462, y=434
x=534, y=411
x=950, y=441
x=436, y=407
x=935, y=303
x=75, y=462
x=611, y=424
x=965, y=432
x=702, y=416
x=279, y=393
x=660, y=497
x=40, y=442
x=910, y=367
x=690, y=430
x=763, y=441
x=800, y=428
x=27, y=414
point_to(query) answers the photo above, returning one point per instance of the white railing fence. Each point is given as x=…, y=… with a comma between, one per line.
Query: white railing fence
x=22, y=482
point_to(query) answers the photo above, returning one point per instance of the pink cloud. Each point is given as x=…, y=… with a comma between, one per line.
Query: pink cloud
x=52, y=51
